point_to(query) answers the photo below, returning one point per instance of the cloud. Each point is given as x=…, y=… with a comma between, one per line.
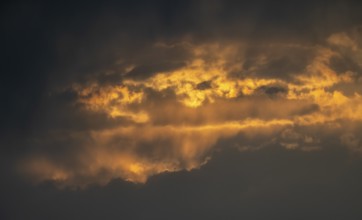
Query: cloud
x=133, y=153
x=172, y=118
x=343, y=40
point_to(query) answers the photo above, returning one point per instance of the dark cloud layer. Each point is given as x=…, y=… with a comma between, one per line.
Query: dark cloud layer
x=216, y=109
x=271, y=183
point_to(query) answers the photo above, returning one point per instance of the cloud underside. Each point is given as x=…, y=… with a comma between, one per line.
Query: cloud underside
x=173, y=115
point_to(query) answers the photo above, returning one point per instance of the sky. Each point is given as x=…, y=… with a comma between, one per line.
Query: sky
x=203, y=109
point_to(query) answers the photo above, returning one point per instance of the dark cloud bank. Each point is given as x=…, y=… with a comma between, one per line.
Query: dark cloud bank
x=271, y=183
x=305, y=172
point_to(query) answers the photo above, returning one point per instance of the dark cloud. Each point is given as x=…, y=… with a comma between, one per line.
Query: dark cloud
x=204, y=85
x=273, y=90
x=274, y=105
x=272, y=183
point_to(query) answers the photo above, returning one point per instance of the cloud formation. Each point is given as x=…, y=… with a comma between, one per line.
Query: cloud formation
x=174, y=115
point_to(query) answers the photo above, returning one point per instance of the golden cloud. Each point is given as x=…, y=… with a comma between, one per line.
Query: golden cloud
x=178, y=117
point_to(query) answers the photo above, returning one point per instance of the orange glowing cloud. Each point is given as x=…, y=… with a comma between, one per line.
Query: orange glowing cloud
x=178, y=117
